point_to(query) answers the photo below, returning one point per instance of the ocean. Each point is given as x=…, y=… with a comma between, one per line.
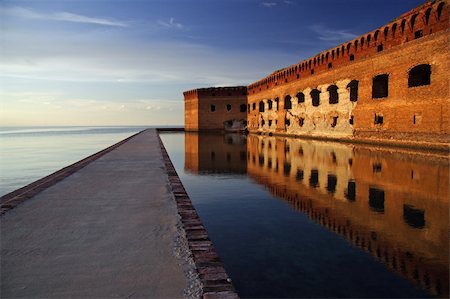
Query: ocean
x=30, y=153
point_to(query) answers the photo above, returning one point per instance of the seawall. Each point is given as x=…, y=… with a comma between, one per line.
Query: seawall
x=116, y=224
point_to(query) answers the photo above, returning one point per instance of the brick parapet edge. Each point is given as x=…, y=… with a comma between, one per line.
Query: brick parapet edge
x=14, y=198
x=213, y=277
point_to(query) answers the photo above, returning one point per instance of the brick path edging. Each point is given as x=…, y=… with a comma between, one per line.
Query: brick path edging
x=213, y=277
x=14, y=198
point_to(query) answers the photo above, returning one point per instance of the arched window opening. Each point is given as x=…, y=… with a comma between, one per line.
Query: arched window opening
x=413, y=21
x=352, y=57
x=419, y=75
x=330, y=65
x=314, y=61
x=439, y=10
x=402, y=25
x=362, y=42
x=380, y=86
x=323, y=59
x=270, y=122
x=269, y=104
x=287, y=102
x=334, y=121
x=375, y=36
x=213, y=108
x=356, y=45
x=228, y=107
x=300, y=97
x=312, y=72
x=333, y=94
x=353, y=88
x=337, y=52
x=287, y=122
x=301, y=121
x=254, y=106
x=394, y=28
x=369, y=37
x=309, y=63
x=342, y=50
x=327, y=56
x=261, y=106
x=380, y=48
x=332, y=54
x=315, y=97
x=348, y=48
x=386, y=32
x=243, y=108
x=318, y=60
x=277, y=103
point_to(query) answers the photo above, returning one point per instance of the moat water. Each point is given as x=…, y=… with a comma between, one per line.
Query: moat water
x=302, y=218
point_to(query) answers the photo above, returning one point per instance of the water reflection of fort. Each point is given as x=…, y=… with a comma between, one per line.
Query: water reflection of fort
x=391, y=204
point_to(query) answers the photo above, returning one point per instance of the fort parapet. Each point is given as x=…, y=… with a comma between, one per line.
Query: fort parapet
x=389, y=84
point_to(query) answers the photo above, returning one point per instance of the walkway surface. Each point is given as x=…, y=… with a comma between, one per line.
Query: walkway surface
x=108, y=230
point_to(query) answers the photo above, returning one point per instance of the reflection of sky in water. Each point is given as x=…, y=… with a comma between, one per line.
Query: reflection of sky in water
x=285, y=247
x=28, y=154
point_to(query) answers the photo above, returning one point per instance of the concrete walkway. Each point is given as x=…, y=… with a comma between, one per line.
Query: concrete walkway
x=108, y=230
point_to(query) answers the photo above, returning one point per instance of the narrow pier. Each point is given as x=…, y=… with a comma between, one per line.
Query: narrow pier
x=110, y=229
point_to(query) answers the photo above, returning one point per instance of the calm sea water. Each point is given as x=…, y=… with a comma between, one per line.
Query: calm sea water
x=30, y=153
x=298, y=218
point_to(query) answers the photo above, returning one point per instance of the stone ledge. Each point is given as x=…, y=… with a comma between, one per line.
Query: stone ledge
x=216, y=283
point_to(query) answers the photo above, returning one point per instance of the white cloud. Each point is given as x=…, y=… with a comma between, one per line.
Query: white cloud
x=268, y=4
x=333, y=35
x=171, y=24
x=58, y=16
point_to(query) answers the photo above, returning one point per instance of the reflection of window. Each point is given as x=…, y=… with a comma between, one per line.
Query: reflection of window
x=299, y=175
x=334, y=121
x=414, y=217
x=287, y=168
x=213, y=108
x=376, y=200
x=228, y=107
x=314, y=178
x=332, y=181
x=243, y=108
x=351, y=191
x=378, y=120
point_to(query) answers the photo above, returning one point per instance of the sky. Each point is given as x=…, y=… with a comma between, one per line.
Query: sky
x=127, y=62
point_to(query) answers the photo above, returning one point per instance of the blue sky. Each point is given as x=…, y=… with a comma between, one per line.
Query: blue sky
x=127, y=62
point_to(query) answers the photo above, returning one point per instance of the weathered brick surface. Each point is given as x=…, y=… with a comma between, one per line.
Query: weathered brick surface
x=417, y=114
x=215, y=281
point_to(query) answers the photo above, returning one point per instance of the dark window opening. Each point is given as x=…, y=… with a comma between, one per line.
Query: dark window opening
x=427, y=15
x=299, y=176
x=269, y=162
x=417, y=118
x=261, y=106
x=300, y=152
x=228, y=107
x=375, y=36
x=353, y=86
x=301, y=121
x=376, y=200
x=333, y=94
x=287, y=103
x=352, y=57
x=334, y=121
x=350, y=121
x=248, y=107
x=312, y=72
x=350, y=194
x=300, y=97
x=287, y=122
x=380, y=48
x=376, y=167
x=285, y=80
x=243, y=156
x=350, y=161
x=402, y=25
x=333, y=157
x=270, y=122
x=287, y=168
x=386, y=31
x=330, y=65
x=213, y=108
x=419, y=75
x=414, y=217
x=394, y=28
x=270, y=104
x=332, y=182
x=254, y=106
x=298, y=76
x=418, y=34
x=413, y=21
x=356, y=45
x=261, y=160
x=277, y=102
x=378, y=120
x=314, y=178
x=439, y=10
x=315, y=97
x=263, y=122
x=380, y=86
x=243, y=108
